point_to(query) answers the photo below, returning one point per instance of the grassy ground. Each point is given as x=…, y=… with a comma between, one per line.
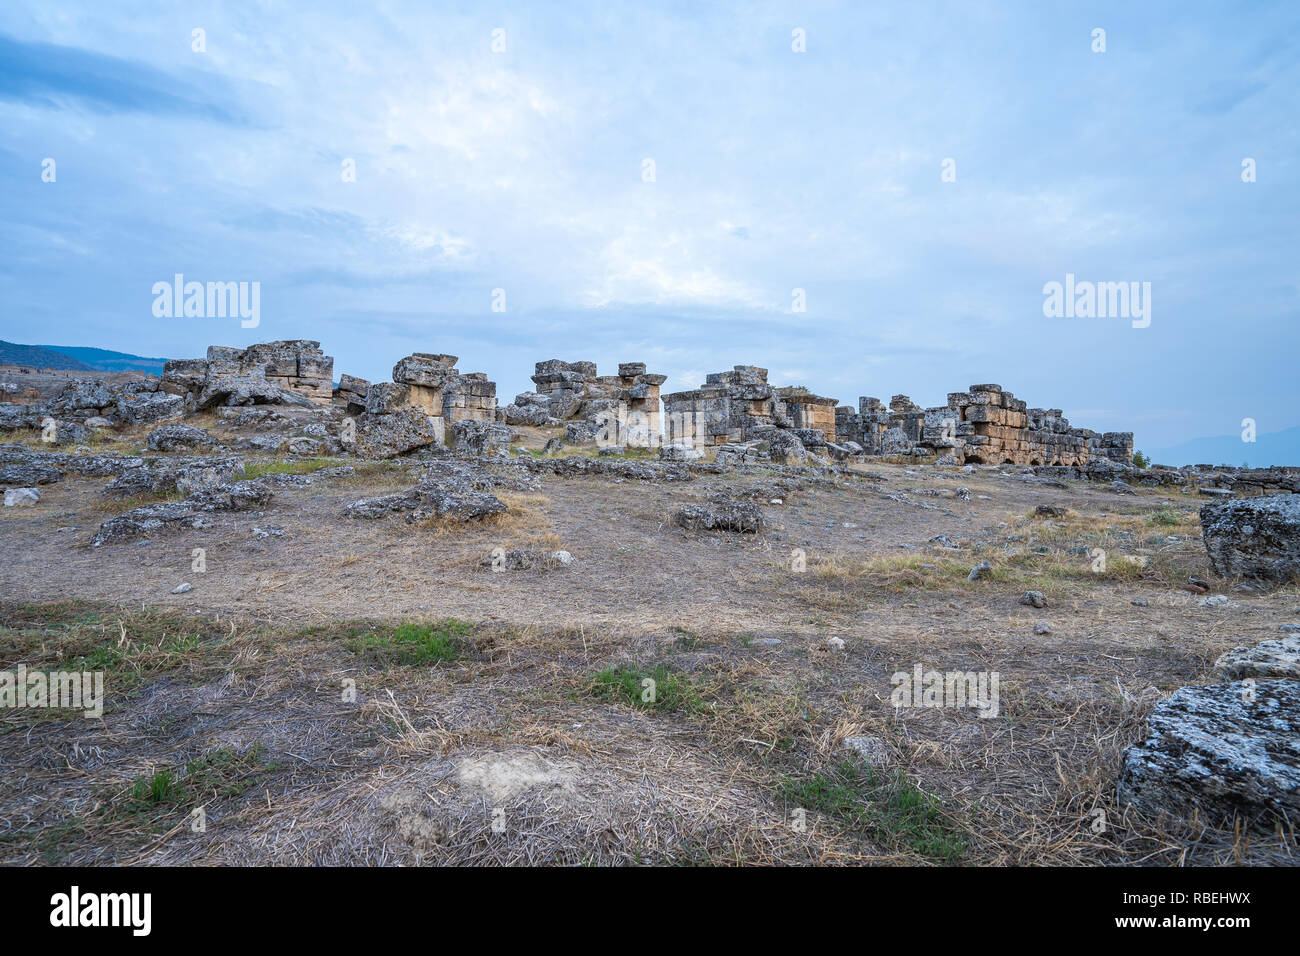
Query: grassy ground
x=369, y=692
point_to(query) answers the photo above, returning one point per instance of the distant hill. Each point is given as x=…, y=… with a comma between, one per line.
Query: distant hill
x=39, y=356
x=104, y=360
x=77, y=358
x=1276, y=448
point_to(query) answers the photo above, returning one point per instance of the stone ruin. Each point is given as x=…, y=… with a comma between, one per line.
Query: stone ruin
x=983, y=425
x=293, y=371
x=620, y=409
x=736, y=412
x=426, y=396
x=740, y=406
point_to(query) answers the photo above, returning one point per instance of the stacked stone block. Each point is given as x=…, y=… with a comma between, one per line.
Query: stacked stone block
x=984, y=424
x=352, y=393
x=622, y=409
x=806, y=410
x=739, y=406
x=254, y=374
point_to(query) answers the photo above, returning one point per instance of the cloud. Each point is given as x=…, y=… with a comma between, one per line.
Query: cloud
x=56, y=77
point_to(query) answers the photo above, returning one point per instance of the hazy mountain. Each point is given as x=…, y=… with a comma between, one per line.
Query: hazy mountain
x=79, y=358
x=105, y=360
x=1276, y=448
x=39, y=356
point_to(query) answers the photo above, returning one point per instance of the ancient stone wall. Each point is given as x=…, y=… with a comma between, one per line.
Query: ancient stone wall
x=259, y=373
x=983, y=425
x=620, y=409
x=428, y=383
x=739, y=406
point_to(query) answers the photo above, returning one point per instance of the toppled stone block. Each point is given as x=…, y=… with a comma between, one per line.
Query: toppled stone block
x=28, y=475
x=1271, y=659
x=785, y=448
x=149, y=408
x=425, y=501
x=721, y=515
x=190, y=513
x=175, y=437
x=21, y=497
x=472, y=437
x=14, y=416
x=186, y=475
x=1254, y=537
x=1226, y=751
x=533, y=415
x=680, y=453
x=426, y=370
x=390, y=435
x=617, y=468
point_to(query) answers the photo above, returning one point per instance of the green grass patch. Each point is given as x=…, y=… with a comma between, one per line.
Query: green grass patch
x=435, y=642
x=129, y=646
x=653, y=688
x=153, y=803
x=893, y=809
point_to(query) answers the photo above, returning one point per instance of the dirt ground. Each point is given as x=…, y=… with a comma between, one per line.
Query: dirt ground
x=500, y=717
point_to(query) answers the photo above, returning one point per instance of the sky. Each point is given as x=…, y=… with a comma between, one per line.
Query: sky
x=654, y=182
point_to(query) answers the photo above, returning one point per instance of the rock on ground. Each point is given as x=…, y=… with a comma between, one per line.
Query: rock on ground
x=387, y=435
x=721, y=515
x=1267, y=660
x=28, y=475
x=173, y=437
x=1254, y=537
x=239, y=496
x=1210, y=749
x=18, y=497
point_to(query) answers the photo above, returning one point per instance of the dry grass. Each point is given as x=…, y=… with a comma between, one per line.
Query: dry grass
x=256, y=662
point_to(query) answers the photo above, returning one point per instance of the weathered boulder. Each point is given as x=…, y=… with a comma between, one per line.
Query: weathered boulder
x=785, y=448
x=186, y=475
x=680, y=453
x=190, y=513
x=269, y=442
x=390, y=435
x=1266, y=660
x=174, y=437
x=425, y=369
x=82, y=398
x=20, y=497
x=484, y=439
x=426, y=501
x=28, y=475
x=580, y=433
x=149, y=407
x=1254, y=537
x=304, y=447
x=1227, y=751
x=721, y=515
x=14, y=416
x=535, y=415
x=182, y=377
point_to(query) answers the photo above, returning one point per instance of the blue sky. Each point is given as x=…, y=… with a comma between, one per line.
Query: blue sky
x=522, y=170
